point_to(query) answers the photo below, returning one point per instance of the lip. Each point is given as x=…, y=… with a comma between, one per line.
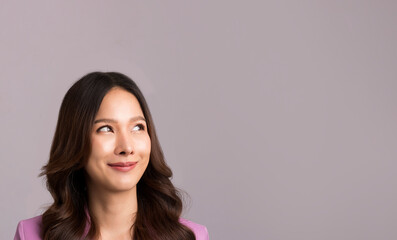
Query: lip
x=122, y=166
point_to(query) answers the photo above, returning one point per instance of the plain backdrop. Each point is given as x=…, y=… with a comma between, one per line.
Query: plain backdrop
x=278, y=118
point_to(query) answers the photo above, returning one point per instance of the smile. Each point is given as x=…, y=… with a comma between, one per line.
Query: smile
x=122, y=166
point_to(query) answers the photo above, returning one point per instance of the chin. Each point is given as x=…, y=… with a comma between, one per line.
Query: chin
x=124, y=186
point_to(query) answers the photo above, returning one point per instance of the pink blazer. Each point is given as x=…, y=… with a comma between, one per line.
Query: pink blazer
x=29, y=229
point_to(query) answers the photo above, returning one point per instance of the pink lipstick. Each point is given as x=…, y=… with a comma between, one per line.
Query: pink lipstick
x=122, y=166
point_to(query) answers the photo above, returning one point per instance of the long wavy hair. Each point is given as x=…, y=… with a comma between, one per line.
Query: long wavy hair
x=68, y=218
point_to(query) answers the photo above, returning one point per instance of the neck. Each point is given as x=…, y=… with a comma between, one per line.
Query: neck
x=114, y=212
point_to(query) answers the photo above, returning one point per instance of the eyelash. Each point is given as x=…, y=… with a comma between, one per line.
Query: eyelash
x=99, y=129
x=139, y=125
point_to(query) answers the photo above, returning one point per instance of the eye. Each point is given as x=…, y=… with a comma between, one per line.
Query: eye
x=104, y=129
x=139, y=127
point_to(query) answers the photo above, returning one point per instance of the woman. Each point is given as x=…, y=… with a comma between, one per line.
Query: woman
x=106, y=171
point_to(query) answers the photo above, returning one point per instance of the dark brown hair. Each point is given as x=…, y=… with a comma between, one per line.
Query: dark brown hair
x=159, y=202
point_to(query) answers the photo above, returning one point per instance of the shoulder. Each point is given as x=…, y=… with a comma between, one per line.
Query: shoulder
x=29, y=229
x=200, y=231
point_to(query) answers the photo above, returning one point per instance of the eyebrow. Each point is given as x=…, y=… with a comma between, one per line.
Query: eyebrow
x=110, y=120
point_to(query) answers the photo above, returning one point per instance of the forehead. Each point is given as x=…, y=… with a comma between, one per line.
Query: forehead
x=119, y=103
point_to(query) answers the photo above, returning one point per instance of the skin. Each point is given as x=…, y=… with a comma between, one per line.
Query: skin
x=112, y=193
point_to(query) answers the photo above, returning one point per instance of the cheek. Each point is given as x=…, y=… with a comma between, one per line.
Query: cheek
x=101, y=147
x=145, y=145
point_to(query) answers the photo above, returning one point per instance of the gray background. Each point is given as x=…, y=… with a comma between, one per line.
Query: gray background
x=277, y=117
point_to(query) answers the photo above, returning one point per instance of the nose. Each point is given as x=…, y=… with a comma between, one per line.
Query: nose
x=124, y=144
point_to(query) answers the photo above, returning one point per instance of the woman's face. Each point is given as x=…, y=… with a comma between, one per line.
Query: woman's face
x=120, y=144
